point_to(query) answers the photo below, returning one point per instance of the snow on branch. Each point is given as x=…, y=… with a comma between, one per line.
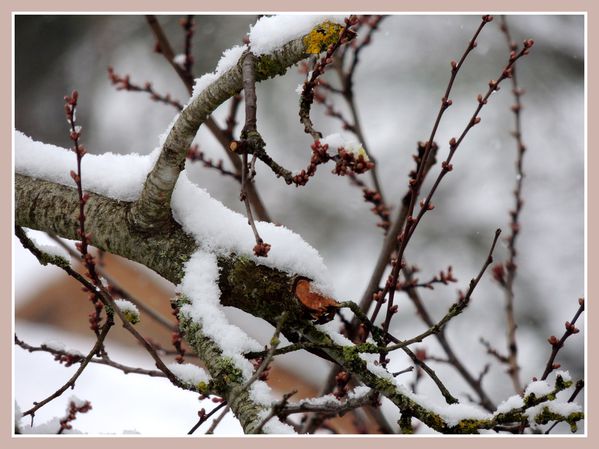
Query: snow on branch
x=152, y=210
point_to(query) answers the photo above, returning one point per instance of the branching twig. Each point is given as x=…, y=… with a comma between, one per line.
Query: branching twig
x=68, y=358
x=415, y=185
x=556, y=344
x=223, y=138
x=83, y=364
x=114, y=285
x=124, y=83
x=74, y=409
x=510, y=265
x=251, y=140
x=205, y=417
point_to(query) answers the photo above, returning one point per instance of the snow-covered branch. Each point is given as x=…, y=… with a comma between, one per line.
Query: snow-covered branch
x=152, y=211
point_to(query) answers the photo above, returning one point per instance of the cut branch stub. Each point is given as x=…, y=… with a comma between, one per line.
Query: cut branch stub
x=321, y=308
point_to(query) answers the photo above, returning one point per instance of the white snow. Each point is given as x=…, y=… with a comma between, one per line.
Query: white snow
x=373, y=366
x=50, y=249
x=274, y=425
x=262, y=394
x=189, y=373
x=565, y=375
x=561, y=408
x=223, y=231
x=227, y=61
x=114, y=175
x=539, y=388
x=330, y=399
x=338, y=140
x=200, y=285
x=511, y=403
x=53, y=425
x=454, y=413
x=229, y=58
x=54, y=345
x=76, y=401
x=48, y=428
x=129, y=309
x=359, y=392
x=179, y=59
x=272, y=32
x=18, y=414
x=216, y=227
x=59, y=346
x=331, y=328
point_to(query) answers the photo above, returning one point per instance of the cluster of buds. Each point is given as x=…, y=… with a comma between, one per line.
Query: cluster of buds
x=319, y=156
x=341, y=380
x=444, y=277
x=348, y=162
x=379, y=207
x=95, y=317
x=72, y=414
x=68, y=359
x=124, y=83
x=261, y=249
x=70, y=105
x=499, y=274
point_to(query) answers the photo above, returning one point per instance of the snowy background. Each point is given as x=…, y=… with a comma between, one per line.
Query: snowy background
x=398, y=86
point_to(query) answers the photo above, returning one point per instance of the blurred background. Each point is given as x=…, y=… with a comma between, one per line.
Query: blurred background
x=398, y=85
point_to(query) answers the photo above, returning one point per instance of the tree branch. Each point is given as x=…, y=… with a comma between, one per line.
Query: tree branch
x=152, y=211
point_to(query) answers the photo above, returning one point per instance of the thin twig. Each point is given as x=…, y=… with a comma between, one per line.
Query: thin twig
x=70, y=358
x=218, y=420
x=250, y=139
x=220, y=135
x=511, y=266
x=156, y=316
x=71, y=382
x=105, y=298
x=205, y=417
x=557, y=345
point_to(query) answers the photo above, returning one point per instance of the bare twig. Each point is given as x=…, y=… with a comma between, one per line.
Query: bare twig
x=166, y=50
x=114, y=284
x=251, y=140
x=74, y=409
x=69, y=359
x=71, y=382
x=511, y=266
x=125, y=83
x=557, y=345
x=205, y=417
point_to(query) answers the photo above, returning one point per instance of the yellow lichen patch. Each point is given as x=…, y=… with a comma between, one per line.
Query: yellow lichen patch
x=321, y=36
x=362, y=152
